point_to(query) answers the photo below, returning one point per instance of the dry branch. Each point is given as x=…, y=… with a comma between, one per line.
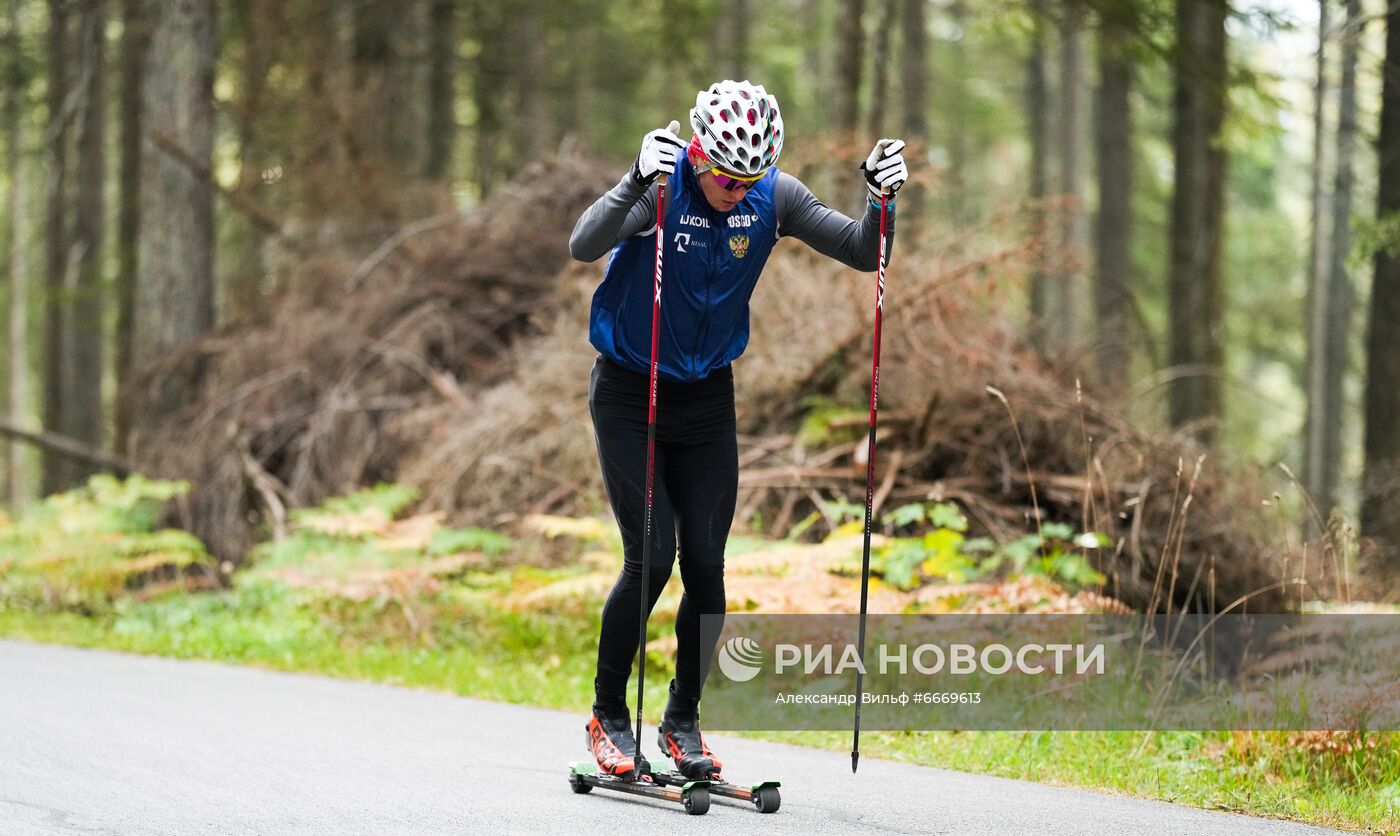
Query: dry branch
x=392, y=243
x=68, y=446
x=265, y=219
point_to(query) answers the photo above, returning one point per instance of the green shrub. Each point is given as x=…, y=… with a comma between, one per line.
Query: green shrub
x=358, y=564
x=87, y=547
x=939, y=549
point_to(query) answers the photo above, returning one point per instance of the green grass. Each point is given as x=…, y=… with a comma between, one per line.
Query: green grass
x=1180, y=767
x=279, y=629
x=546, y=659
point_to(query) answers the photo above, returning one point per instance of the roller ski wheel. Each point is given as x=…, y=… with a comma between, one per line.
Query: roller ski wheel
x=764, y=795
x=767, y=799
x=692, y=796
x=696, y=801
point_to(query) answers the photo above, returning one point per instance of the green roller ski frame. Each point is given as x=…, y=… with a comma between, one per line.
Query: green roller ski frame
x=694, y=796
x=764, y=795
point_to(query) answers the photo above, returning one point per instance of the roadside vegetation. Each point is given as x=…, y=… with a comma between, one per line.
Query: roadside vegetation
x=360, y=588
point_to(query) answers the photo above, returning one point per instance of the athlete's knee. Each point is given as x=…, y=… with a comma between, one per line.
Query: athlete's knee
x=706, y=559
x=703, y=580
x=663, y=553
x=661, y=567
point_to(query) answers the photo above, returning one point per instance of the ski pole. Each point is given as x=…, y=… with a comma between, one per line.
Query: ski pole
x=870, y=472
x=651, y=462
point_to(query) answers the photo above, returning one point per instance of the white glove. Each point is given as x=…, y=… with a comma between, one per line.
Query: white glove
x=658, y=155
x=884, y=169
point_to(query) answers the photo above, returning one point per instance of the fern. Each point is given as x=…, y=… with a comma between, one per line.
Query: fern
x=85, y=548
x=943, y=552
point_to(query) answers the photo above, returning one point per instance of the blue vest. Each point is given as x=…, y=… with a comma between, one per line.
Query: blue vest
x=710, y=266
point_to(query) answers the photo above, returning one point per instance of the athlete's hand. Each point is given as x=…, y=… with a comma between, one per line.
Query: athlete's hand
x=658, y=155
x=884, y=169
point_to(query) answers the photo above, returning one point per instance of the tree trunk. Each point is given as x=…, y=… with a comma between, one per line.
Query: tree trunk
x=326, y=187
x=674, y=41
x=532, y=131
x=175, y=294
x=914, y=71
x=850, y=48
x=391, y=83
x=56, y=476
x=819, y=63
x=17, y=393
x=239, y=290
x=490, y=72
x=914, y=95
x=1113, y=233
x=959, y=200
x=406, y=87
x=879, y=88
x=1198, y=207
x=135, y=38
x=82, y=417
x=442, y=90
x=1339, y=293
x=1038, y=126
x=385, y=83
x=1380, y=505
x=574, y=108
x=1070, y=300
x=737, y=38
x=1331, y=297
x=1315, y=467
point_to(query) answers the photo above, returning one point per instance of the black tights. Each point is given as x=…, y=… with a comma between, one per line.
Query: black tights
x=696, y=482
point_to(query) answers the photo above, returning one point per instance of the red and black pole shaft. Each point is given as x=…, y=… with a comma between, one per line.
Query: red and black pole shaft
x=651, y=460
x=870, y=471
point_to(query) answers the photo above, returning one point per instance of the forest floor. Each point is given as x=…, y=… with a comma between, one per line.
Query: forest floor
x=359, y=591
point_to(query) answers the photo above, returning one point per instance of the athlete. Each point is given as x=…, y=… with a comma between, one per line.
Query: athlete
x=727, y=205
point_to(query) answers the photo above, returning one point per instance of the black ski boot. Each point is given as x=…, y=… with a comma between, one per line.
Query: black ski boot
x=613, y=746
x=679, y=737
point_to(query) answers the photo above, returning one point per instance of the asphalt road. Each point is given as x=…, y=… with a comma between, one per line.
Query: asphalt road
x=106, y=743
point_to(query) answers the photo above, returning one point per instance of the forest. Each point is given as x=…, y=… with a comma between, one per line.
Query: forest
x=1201, y=188
x=297, y=360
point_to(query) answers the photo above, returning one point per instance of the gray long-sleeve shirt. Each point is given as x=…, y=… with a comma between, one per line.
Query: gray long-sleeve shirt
x=630, y=208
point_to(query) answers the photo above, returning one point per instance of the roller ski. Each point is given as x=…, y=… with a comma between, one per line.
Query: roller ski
x=610, y=740
x=681, y=741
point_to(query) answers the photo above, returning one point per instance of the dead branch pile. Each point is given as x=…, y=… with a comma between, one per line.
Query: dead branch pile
x=461, y=366
x=969, y=413
x=288, y=411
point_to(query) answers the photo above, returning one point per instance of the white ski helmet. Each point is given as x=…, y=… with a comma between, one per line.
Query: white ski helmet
x=739, y=127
